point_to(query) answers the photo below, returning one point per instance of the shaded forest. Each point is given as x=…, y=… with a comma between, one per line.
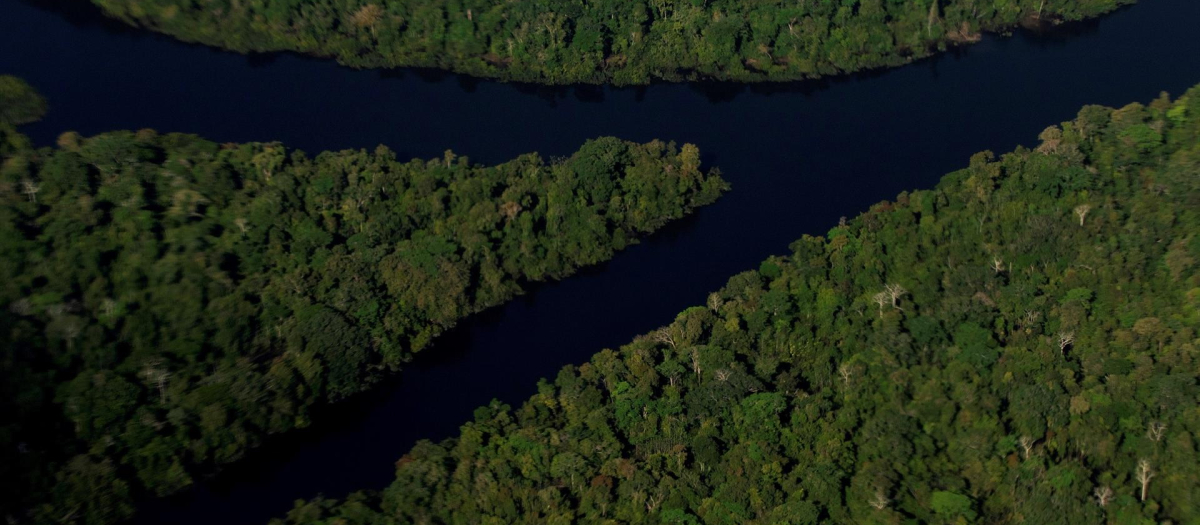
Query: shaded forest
x=19, y=102
x=170, y=301
x=1018, y=345
x=603, y=41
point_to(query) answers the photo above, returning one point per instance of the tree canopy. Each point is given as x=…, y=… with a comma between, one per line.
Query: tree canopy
x=1018, y=345
x=603, y=41
x=169, y=301
x=19, y=102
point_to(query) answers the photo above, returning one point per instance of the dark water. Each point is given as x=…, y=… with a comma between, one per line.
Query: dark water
x=799, y=156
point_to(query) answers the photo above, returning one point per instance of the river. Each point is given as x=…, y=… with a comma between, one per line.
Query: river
x=799, y=156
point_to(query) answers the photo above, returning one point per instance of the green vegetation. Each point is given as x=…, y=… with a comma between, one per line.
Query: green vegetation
x=19, y=102
x=599, y=41
x=169, y=301
x=1018, y=345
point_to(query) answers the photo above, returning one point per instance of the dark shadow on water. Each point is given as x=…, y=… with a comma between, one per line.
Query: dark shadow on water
x=589, y=94
x=262, y=59
x=468, y=84
x=84, y=14
x=435, y=76
x=1061, y=32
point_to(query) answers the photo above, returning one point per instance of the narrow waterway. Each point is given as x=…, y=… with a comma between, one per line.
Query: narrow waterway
x=799, y=156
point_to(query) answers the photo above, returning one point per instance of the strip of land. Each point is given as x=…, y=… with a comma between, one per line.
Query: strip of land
x=1017, y=345
x=170, y=301
x=604, y=41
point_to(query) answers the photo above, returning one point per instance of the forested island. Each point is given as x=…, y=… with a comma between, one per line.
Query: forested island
x=1018, y=345
x=170, y=301
x=603, y=41
x=19, y=102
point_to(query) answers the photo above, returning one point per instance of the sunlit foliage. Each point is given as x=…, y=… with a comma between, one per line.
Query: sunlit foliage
x=597, y=41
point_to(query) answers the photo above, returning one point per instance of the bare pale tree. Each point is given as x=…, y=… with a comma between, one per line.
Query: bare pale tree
x=997, y=265
x=766, y=50
x=70, y=331
x=1065, y=340
x=880, y=299
x=1155, y=430
x=715, y=302
x=552, y=23
x=242, y=225
x=1144, y=474
x=1103, y=495
x=880, y=501
x=1030, y=318
x=663, y=335
x=933, y=18
x=156, y=374
x=1026, y=443
x=1081, y=211
x=722, y=375
x=30, y=189
x=847, y=372
x=653, y=502
x=696, y=362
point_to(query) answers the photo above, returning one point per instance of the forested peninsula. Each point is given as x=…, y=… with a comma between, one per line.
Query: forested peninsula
x=603, y=41
x=1018, y=345
x=169, y=301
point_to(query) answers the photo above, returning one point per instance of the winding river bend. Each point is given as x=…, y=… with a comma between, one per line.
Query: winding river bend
x=799, y=156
